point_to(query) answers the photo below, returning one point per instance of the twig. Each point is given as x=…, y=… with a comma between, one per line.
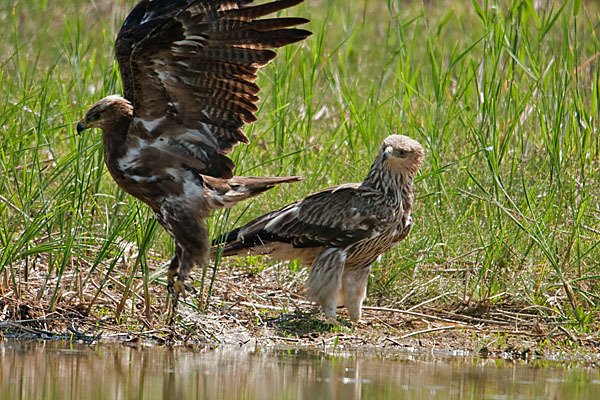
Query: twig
x=411, y=313
x=265, y=306
x=431, y=300
x=458, y=257
x=476, y=319
x=441, y=328
x=393, y=341
x=14, y=207
x=284, y=338
x=414, y=290
x=31, y=164
x=570, y=334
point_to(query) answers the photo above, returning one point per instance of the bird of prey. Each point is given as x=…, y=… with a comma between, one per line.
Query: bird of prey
x=340, y=231
x=188, y=69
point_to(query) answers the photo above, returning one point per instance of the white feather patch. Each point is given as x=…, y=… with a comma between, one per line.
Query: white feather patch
x=150, y=125
x=185, y=42
x=132, y=156
x=191, y=188
x=293, y=212
x=203, y=136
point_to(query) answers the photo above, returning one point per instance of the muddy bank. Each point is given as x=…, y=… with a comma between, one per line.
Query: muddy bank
x=264, y=307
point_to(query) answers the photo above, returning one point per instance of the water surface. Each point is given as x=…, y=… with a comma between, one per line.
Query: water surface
x=63, y=370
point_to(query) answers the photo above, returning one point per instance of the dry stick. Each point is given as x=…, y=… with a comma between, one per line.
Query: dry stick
x=585, y=63
x=105, y=293
x=382, y=322
x=14, y=207
x=413, y=291
x=441, y=328
x=290, y=300
x=416, y=314
x=34, y=331
x=265, y=306
x=393, y=341
x=31, y=164
x=475, y=319
x=458, y=257
x=284, y=338
x=256, y=313
x=16, y=325
x=588, y=228
x=411, y=313
x=431, y=300
x=570, y=334
x=517, y=316
x=453, y=270
x=402, y=300
x=547, y=309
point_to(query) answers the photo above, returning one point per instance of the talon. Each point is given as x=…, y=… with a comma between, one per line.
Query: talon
x=171, y=275
x=175, y=288
x=189, y=288
x=179, y=289
x=332, y=321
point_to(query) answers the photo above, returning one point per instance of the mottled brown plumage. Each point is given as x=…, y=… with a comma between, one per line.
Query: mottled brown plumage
x=342, y=230
x=188, y=69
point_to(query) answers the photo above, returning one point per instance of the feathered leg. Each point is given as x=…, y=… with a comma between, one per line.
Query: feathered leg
x=173, y=270
x=191, y=245
x=325, y=281
x=179, y=269
x=185, y=268
x=354, y=290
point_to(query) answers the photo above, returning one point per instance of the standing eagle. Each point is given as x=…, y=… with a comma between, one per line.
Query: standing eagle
x=188, y=69
x=342, y=230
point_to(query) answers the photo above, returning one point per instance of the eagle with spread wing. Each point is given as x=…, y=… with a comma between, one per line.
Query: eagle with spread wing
x=339, y=231
x=188, y=69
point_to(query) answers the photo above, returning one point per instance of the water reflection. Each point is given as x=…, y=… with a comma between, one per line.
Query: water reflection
x=59, y=370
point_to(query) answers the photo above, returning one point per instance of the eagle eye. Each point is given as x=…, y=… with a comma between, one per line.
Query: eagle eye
x=93, y=116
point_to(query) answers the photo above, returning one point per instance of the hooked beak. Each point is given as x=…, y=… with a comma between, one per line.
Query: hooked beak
x=81, y=126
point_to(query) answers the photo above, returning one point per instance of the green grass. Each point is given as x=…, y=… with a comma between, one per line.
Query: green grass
x=503, y=96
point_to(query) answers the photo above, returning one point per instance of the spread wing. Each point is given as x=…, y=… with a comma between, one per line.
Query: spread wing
x=335, y=217
x=189, y=68
x=146, y=16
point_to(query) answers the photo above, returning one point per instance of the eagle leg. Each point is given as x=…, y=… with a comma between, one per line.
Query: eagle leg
x=176, y=278
x=172, y=273
x=174, y=286
x=354, y=290
x=325, y=281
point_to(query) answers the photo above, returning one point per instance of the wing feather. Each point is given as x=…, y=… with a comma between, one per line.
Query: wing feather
x=190, y=66
x=143, y=19
x=247, y=13
x=336, y=217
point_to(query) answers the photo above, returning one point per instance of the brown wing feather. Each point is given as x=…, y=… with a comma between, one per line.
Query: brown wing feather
x=143, y=19
x=335, y=217
x=198, y=69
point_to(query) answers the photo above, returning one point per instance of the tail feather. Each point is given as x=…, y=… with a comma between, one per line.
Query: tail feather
x=260, y=183
x=244, y=238
x=253, y=234
x=242, y=187
x=260, y=39
x=228, y=192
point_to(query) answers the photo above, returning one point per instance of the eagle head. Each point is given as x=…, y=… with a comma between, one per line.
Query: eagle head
x=401, y=153
x=106, y=111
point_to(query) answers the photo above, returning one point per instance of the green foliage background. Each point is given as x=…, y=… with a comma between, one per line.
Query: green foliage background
x=503, y=96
